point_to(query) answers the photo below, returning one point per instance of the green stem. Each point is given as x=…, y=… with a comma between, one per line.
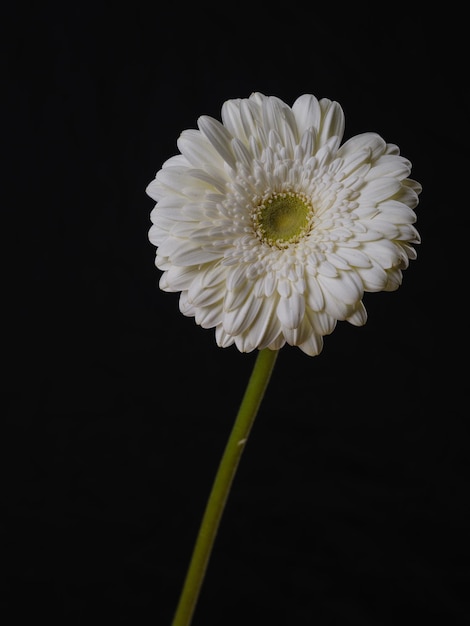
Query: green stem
x=254, y=394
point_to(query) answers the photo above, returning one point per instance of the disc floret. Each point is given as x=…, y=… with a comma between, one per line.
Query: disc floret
x=282, y=219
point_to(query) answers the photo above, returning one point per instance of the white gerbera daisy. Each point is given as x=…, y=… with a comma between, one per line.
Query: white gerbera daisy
x=272, y=231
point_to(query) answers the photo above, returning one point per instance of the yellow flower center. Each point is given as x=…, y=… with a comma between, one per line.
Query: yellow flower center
x=283, y=218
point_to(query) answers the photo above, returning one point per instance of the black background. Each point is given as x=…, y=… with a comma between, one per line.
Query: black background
x=350, y=506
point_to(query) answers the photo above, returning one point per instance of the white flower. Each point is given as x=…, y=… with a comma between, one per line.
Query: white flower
x=272, y=230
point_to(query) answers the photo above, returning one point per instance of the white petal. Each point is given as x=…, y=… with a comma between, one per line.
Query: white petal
x=308, y=144
x=242, y=153
x=307, y=113
x=180, y=278
x=337, y=309
x=164, y=285
x=327, y=269
x=203, y=296
x=231, y=119
x=218, y=136
x=174, y=211
x=250, y=116
x=234, y=299
x=359, y=317
x=223, y=339
x=332, y=123
x=236, y=276
x=338, y=262
x=209, y=316
x=209, y=177
x=385, y=253
x=278, y=343
x=284, y=287
x=394, y=280
x=322, y=323
x=354, y=257
x=346, y=286
x=155, y=190
x=414, y=185
x=299, y=335
x=410, y=251
x=197, y=149
x=239, y=320
x=391, y=166
x=162, y=262
x=378, y=225
x=279, y=117
x=184, y=252
x=397, y=212
x=177, y=180
x=245, y=342
x=291, y=310
x=376, y=191
x=269, y=283
x=354, y=160
x=408, y=195
x=178, y=160
x=185, y=306
x=314, y=295
x=313, y=345
x=157, y=235
x=266, y=327
x=369, y=234
x=364, y=141
x=391, y=148
x=373, y=278
x=409, y=233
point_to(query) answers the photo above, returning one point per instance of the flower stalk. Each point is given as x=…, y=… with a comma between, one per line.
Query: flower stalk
x=254, y=393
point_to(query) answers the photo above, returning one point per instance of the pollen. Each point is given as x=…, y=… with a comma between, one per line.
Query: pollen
x=282, y=219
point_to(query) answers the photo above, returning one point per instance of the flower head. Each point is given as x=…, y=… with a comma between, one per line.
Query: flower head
x=272, y=230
